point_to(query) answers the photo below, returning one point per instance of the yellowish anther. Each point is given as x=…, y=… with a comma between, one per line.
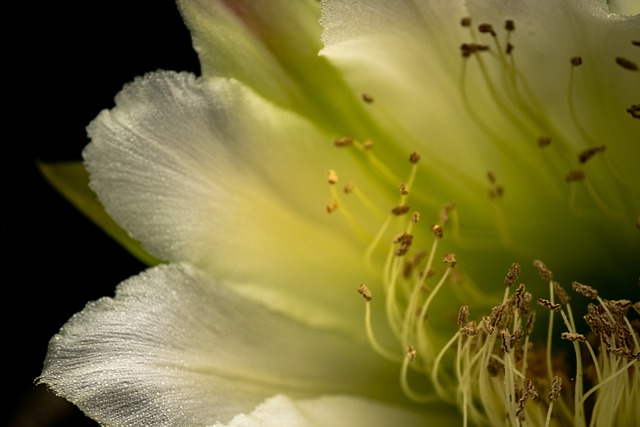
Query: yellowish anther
x=572, y=336
x=574, y=176
x=367, y=145
x=344, y=141
x=332, y=206
x=450, y=259
x=332, y=177
x=365, y=292
x=544, y=141
x=400, y=210
x=437, y=231
x=411, y=353
x=404, y=189
x=348, y=187
x=367, y=98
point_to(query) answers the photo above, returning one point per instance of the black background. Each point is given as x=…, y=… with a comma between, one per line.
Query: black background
x=62, y=64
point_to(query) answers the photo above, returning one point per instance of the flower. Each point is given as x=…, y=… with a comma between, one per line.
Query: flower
x=412, y=151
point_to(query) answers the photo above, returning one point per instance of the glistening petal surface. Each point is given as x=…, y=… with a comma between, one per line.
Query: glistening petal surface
x=174, y=347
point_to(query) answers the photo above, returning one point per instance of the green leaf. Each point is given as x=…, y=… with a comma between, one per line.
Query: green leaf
x=72, y=181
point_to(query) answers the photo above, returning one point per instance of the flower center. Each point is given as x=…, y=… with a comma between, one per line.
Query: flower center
x=496, y=369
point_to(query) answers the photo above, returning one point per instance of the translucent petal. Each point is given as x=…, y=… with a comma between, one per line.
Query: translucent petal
x=174, y=347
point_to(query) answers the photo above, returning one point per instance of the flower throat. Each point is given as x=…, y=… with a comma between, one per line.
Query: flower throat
x=494, y=368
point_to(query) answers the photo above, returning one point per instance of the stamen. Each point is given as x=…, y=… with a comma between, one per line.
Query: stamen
x=387, y=354
x=556, y=387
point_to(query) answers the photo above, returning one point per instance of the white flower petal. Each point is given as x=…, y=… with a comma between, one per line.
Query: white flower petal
x=332, y=411
x=204, y=171
x=175, y=348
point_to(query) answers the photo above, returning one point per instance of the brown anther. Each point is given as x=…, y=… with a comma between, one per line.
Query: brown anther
x=627, y=64
x=348, y=187
x=575, y=175
x=365, y=292
x=561, y=293
x=414, y=157
x=506, y=340
x=512, y=275
x=544, y=141
x=491, y=176
x=332, y=177
x=405, y=240
x=368, y=144
x=576, y=60
x=450, y=259
x=466, y=21
x=634, y=110
x=509, y=49
x=415, y=217
x=404, y=190
x=332, y=206
x=548, y=304
x=531, y=321
x=463, y=316
x=584, y=290
x=367, y=98
x=531, y=389
x=572, y=336
x=543, y=271
x=587, y=154
x=635, y=42
x=509, y=25
x=411, y=353
x=437, y=231
x=344, y=141
x=486, y=28
x=556, y=388
x=400, y=210
x=494, y=367
x=469, y=330
x=444, y=212
x=429, y=273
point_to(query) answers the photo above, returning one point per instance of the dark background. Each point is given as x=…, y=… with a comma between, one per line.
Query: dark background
x=62, y=64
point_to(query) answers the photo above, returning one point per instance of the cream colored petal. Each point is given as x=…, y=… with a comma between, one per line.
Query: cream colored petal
x=204, y=171
x=174, y=347
x=337, y=410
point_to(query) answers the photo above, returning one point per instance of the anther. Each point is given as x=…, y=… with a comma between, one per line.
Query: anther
x=627, y=64
x=404, y=190
x=531, y=321
x=446, y=210
x=556, y=388
x=512, y=275
x=544, y=141
x=494, y=367
x=450, y=259
x=491, y=176
x=463, y=316
x=572, y=336
x=411, y=353
x=367, y=98
x=486, y=28
x=561, y=293
x=348, y=187
x=437, y=231
x=635, y=42
x=414, y=157
x=466, y=21
x=548, y=304
x=506, y=340
x=365, y=292
x=344, y=141
x=574, y=176
x=531, y=389
x=401, y=209
x=332, y=206
x=576, y=60
x=587, y=154
x=405, y=241
x=509, y=25
x=510, y=48
x=415, y=217
x=584, y=290
x=634, y=110
x=332, y=177
x=543, y=271
x=368, y=144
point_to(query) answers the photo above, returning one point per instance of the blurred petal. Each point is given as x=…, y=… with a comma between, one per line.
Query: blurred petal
x=174, y=347
x=329, y=411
